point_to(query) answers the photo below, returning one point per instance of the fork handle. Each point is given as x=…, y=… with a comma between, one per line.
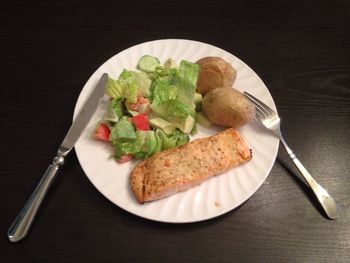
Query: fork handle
x=327, y=202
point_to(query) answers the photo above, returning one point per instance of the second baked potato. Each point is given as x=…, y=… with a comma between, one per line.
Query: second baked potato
x=228, y=107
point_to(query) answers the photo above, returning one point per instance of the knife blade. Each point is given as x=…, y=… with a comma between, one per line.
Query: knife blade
x=21, y=225
x=84, y=115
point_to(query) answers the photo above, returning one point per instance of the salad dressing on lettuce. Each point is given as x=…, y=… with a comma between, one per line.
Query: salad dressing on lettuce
x=151, y=109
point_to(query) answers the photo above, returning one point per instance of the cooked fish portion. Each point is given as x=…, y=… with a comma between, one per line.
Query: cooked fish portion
x=181, y=168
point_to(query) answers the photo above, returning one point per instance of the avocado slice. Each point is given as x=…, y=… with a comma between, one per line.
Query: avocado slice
x=160, y=123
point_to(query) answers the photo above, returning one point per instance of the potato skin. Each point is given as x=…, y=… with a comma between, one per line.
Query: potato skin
x=214, y=72
x=228, y=107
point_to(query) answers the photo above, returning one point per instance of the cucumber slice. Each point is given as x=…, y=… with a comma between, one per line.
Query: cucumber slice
x=148, y=63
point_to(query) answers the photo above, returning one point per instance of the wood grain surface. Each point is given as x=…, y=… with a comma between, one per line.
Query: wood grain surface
x=301, y=50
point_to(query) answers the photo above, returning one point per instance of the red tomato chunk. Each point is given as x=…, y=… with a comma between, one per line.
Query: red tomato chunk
x=141, y=122
x=102, y=132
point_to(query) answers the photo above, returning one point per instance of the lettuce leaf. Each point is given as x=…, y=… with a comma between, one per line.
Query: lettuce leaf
x=114, y=88
x=177, y=113
x=187, y=81
x=116, y=109
x=128, y=85
x=148, y=143
x=177, y=138
x=162, y=92
x=123, y=130
x=140, y=79
x=144, y=145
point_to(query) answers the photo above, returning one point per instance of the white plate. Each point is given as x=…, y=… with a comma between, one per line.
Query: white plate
x=210, y=199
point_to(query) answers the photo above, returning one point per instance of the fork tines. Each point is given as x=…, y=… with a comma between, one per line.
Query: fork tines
x=261, y=108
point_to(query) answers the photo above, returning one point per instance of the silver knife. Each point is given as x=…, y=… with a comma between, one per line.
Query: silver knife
x=23, y=221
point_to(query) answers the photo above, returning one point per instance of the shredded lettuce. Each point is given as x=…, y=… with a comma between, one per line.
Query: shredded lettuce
x=123, y=130
x=114, y=88
x=177, y=113
x=179, y=83
x=148, y=143
x=123, y=148
x=162, y=92
x=176, y=139
x=171, y=91
x=116, y=108
x=173, y=94
x=172, y=108
x=144, y=145
x=143, y=83
x=188, y=74
x=128, y=85
x=139, y=79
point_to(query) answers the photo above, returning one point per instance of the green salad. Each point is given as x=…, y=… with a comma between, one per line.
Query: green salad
x=151, y=109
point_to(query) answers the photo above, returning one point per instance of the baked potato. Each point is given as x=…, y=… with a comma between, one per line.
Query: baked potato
x=214, y=72
x=228, y=107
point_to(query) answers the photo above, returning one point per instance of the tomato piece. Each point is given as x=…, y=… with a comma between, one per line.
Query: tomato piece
x=142, y=100
x=125, y=158
x=102, y=132
x=141, y=105
x=141, y=122
x=133, y=106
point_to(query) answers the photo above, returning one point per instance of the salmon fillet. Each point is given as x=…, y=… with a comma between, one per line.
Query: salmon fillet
x=188, y=165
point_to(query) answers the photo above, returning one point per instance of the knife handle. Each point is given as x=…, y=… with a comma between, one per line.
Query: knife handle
x=23, y=221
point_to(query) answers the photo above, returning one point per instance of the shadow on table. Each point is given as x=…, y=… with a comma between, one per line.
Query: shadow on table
x=302, y=184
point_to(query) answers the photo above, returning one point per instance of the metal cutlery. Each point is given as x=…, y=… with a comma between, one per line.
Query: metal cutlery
x=270, y=119
x=21, y=225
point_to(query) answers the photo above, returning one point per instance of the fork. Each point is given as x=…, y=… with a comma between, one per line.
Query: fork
x=270, y=119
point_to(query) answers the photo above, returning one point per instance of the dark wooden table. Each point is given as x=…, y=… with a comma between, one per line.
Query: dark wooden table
x=301, y=50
